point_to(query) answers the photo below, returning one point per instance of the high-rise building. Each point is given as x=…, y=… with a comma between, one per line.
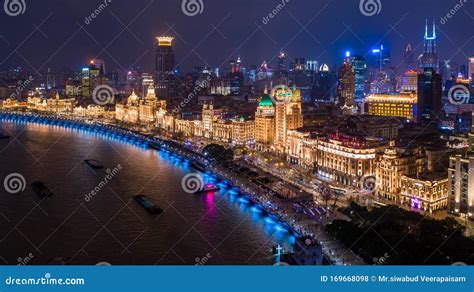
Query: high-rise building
x=85, y=82
x=461, y=181
x=408, y=58
x=429, y=58
x=312, y=66
x=346, y=85
x=409, y=81
x=324, y=86
x=430, y=93
x=471, y=69
x=164, y=67
x=461, y=186
x=99, y=63
x=360, y=71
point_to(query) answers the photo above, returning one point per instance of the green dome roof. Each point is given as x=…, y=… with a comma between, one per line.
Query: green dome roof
x=266, y=100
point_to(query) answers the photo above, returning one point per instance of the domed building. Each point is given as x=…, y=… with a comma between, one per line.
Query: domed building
x=138, y=110
x=276, y=114
x=265, y=123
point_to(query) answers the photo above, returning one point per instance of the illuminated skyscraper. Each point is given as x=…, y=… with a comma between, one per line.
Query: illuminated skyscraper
x=430, y=92
x=346, y=85
x=408, y=59
x=429, y=59
x=85, y=82
x=471, y=69
x=360, y=71
x=324, y=87
x=164, y=67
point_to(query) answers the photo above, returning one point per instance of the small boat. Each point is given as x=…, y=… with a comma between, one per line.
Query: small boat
x=94, y=163
x=56, y=261
x=208, y=188
x=148, y=205
x=41, y=189
x=198, y=165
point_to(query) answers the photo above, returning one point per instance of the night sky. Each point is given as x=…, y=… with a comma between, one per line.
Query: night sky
x=332, y=27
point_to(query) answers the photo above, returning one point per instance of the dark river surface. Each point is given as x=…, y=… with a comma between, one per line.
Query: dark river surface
x=111, y=227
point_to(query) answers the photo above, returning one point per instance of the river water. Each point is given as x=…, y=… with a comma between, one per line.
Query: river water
x=212, y=229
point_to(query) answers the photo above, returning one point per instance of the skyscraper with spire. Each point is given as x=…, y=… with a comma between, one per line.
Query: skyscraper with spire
x=408, y=59
x=429, y=58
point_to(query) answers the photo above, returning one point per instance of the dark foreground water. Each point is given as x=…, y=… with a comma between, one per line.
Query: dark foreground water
x=111, y=227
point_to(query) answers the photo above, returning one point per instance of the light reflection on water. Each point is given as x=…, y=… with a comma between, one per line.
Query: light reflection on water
x=191, y=226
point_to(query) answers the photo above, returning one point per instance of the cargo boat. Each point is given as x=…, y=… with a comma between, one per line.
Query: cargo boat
x=41, y=189
x=148, y=205
x=208, y=188
x=93, y=163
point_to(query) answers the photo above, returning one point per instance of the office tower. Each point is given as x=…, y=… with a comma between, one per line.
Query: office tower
x=379, y=59
x=325, y=84
x=408, y=58
x=471, y=69
x=346, y=85
x=409, y=81
x=282, y=62
x=236, y=66
x=445, y=69
x=429, y=95
x=236, y=77
x=429, y=59
x=147, y=80
x=312, y=66
x=461, y=181
x=461, y=186
x=360, y=71
x=99, y=63
x=85, y=82
x=164, y=68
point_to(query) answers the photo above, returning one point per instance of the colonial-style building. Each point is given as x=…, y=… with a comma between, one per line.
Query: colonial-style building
x=53, y=105
x=140, y=111
x=427, y=192
x=347, y=159
x=265, y=124
x=395, y=163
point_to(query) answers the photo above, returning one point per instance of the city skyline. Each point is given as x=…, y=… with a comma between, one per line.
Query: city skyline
x=213, y=39
x=198, y=132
